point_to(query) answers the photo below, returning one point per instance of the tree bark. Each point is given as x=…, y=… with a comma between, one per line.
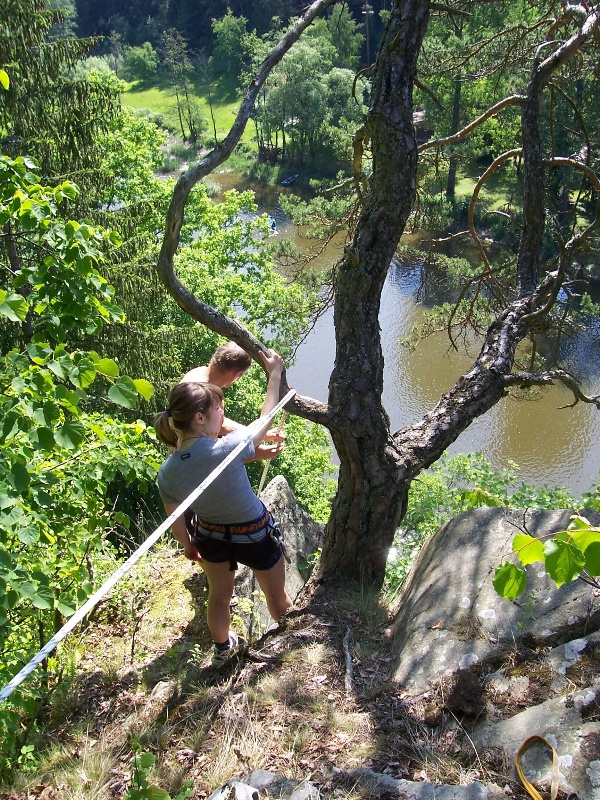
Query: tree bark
x=370, y=498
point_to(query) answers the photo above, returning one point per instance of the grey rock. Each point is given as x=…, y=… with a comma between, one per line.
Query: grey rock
x=279, y=786
x=235, y=790
x=378, y=783
x=305, y=791
x=562, y=721
x=263, y=780
x=451, y=618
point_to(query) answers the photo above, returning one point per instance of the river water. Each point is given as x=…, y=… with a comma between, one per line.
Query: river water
x=551, y=445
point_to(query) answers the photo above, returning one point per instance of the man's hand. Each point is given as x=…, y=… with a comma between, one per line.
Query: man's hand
x=267, y=452
x=274, y=435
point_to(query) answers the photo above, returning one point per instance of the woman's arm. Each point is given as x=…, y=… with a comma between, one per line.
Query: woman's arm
x=182, y=535
x=274, y=366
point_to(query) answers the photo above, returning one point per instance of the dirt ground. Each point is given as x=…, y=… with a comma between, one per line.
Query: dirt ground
x=313, y=699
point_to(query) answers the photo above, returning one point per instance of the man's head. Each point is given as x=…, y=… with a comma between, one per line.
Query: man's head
x=231, y=361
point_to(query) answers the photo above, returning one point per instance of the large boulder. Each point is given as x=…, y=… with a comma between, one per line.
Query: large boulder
x=508, y=670
x=450, y=617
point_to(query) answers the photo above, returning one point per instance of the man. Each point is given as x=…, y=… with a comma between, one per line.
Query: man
x=227, y=365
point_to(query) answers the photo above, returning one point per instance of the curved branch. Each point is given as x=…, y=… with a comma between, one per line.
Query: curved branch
x=513, y=100
x=428, y=91
x=569, y=48
x=208, y=316
x=548, y=379
x=497, y=162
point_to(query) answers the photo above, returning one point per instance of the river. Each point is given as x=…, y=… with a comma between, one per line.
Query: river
x=551, y=445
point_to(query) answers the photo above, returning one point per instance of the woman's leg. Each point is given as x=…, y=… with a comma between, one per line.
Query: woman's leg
x=220, y=588
x=272, y=583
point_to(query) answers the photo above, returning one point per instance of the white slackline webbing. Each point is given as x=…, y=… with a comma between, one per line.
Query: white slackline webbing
x=94, y=599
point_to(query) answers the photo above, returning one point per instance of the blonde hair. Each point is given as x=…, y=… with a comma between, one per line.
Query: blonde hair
x=185, y=401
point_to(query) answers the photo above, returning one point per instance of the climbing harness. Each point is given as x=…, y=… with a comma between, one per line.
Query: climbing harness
x=276, y=535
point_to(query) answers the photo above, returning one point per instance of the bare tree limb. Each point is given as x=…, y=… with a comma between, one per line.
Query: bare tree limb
x=513, y=100
x=549, y=378
x=497, y=162
x=198, y=310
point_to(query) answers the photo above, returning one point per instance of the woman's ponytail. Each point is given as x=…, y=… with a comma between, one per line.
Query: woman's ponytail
x=163, y=429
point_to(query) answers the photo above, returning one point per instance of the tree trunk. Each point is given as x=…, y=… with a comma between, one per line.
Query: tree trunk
x=452, y=167
x=371, y=496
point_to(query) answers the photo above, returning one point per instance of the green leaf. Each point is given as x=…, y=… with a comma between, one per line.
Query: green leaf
x=43, y=439
x=68, y=398
x=70, y=435
x=13, y=306
x=564, y=560
x=28, y=535
x=144, y=388
x=47, y=414
x=20, y=477
x=528, y=549
x=154, y=792
x=124, y=392
x=147, y=760
x=82, y=376
x=579, y=523
x=592, y=559
x=509, y=580
x=480, y=497
x=43, y=598
x=4, y=79
x=106, y=366
x=65, y=609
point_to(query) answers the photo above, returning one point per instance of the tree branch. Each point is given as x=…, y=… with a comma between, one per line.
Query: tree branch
x=513, y=100
x=200, y=311
x=548, y=379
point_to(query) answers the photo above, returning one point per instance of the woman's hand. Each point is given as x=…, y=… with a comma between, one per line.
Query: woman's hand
x=273, y=362
x=190, y=551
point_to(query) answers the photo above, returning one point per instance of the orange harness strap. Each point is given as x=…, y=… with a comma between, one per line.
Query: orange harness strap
x=529, y=787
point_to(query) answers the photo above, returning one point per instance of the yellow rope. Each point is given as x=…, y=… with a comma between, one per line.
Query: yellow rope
x=529, y=787
x=267, y=463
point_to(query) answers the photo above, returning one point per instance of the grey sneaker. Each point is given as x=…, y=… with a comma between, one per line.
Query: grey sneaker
x=221, y=657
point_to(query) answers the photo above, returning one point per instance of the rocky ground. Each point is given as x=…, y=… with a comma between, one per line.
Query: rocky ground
x=318, y=703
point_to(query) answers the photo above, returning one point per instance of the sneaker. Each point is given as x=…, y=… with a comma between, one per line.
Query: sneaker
x=221, y=657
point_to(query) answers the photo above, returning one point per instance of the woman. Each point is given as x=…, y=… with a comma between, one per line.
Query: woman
x=232, y=523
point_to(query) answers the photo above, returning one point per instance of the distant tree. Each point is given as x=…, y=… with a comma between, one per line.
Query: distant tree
x=340, y=32
x=180, y=72
x=140, y=63
x=67, y=26
x=232, y=45
x=61, y=136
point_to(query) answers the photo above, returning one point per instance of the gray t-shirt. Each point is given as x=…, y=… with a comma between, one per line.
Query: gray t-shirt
x=230, y=498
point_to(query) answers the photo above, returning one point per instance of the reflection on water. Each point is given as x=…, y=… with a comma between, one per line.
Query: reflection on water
x=552, y=446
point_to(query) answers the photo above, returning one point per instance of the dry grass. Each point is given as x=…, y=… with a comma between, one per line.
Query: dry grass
x=291, y=714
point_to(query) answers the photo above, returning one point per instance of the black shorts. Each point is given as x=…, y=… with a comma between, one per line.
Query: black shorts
x=260, y=555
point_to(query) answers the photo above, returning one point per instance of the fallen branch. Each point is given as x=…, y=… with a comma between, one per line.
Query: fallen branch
x=347, y=656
